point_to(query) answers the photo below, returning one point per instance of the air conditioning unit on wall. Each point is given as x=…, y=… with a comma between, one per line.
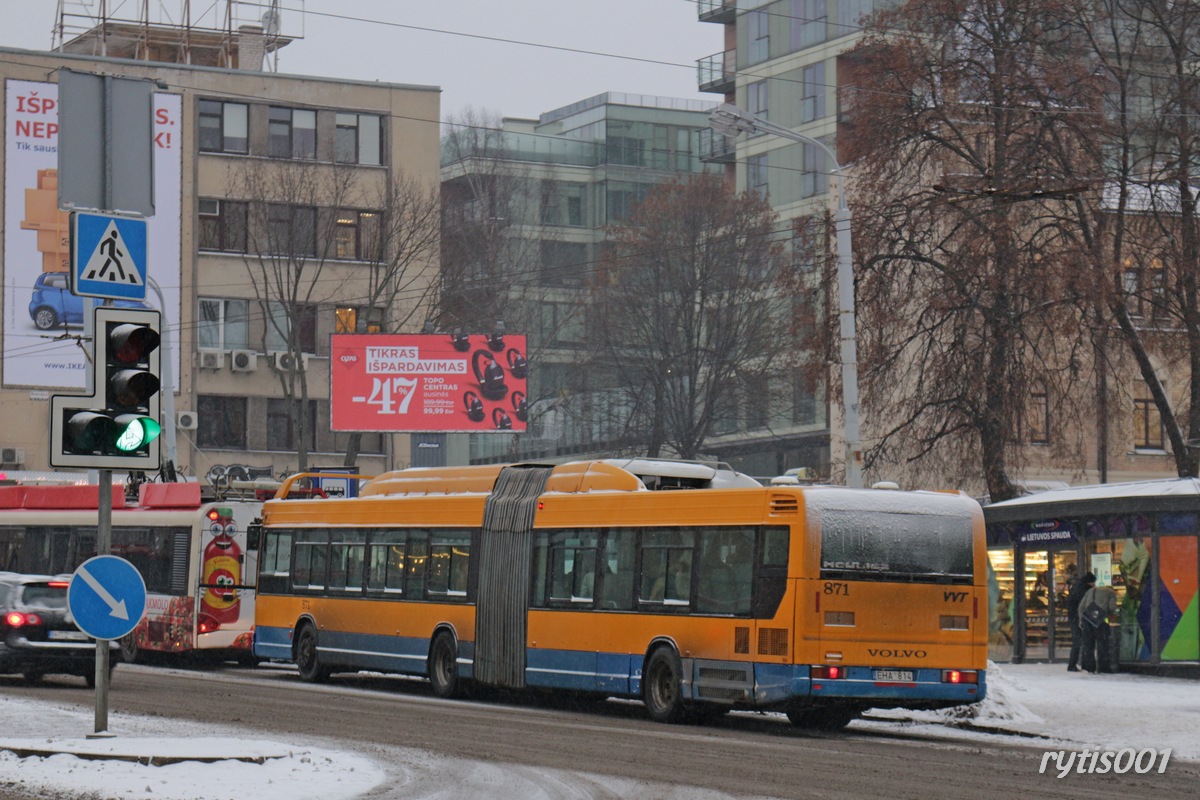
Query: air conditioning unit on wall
x=186, y=420
x=286, y=362
x=211, y=359
x=243, y=360
x=12, y=457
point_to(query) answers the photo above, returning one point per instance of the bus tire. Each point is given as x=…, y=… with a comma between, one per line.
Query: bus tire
x=443, y=666
x=129, y=649
x=821, y=719
x=308, y=661
x=662, y=687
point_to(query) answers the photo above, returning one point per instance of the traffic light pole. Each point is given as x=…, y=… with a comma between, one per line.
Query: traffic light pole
x=103, y=548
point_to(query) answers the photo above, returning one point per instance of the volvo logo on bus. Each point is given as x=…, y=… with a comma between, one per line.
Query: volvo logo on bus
x=889, y=653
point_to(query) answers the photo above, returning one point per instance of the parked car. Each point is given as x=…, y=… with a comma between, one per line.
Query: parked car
x=37, y=634
x=53, y=305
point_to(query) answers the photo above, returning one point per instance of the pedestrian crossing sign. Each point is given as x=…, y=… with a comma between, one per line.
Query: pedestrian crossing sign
x=108, y=256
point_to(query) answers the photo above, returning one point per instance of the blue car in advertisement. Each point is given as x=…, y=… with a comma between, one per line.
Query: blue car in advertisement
x=53, y=305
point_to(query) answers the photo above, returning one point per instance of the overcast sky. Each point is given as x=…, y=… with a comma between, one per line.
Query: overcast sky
x=516, y=58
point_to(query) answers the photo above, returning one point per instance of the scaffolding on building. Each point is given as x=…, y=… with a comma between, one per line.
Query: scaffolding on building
x=233, y=34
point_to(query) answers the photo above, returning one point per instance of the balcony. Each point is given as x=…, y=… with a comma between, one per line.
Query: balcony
x=717, y=73
x=717, y=10
x=715, y=148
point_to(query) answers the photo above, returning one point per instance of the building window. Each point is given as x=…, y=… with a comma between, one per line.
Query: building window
x=1147, y=422
x=812, y=100
x=808, y=23
x=1131, y=283
x=291, y=230
x=292, y=133
x=1037, y=416
x=356, y=235
x=223, y=324
x=357, y=139
x=222, y=225
x=283, y=431
x=222, y=422
x=280, y=324
x=756, y=99
x=850, y=14
x=813, y=178
x=759, y=33
x=351, y=319
x=224, y=127
x=756, y=174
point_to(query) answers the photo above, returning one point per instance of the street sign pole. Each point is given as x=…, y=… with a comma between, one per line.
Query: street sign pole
x=103, y=548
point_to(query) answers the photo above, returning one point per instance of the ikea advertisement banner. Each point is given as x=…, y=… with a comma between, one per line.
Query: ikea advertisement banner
x=407, y=383
x=41, y=317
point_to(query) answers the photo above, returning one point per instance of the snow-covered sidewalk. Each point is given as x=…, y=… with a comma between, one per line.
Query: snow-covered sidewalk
x=1041, y=704
x=1075, y=709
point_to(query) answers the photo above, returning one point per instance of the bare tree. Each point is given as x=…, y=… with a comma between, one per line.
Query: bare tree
x=689, y=307
x=967, y=286
x=303, y=221
x=1138, y=229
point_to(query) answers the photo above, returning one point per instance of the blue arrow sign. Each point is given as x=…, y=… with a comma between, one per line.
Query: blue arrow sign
x=107, y=597
x=108, y=256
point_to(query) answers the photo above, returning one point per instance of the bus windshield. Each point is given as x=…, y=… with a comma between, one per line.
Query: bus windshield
x=905, y=546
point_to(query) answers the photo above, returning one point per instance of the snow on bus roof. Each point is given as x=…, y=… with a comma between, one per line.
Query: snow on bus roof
x=837, y=498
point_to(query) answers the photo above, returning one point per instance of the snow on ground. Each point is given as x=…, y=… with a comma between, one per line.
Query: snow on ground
x=1042, y=704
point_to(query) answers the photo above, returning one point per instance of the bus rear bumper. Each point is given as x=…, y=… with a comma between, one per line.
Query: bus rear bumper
x=775, y=684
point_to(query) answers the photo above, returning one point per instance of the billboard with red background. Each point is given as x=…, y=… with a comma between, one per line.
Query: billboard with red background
x=428, y=382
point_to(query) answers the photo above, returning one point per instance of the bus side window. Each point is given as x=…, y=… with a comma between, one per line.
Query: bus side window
x=770, y=575
x=726, y=564
x=617, y=569
x=667, y=566
x=418, y=563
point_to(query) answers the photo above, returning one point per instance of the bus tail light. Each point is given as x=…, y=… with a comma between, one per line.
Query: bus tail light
x=830, y=672
x=206, y=623
x=960, y=676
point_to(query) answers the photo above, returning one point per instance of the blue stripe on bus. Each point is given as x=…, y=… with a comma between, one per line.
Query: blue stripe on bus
x=615, y=673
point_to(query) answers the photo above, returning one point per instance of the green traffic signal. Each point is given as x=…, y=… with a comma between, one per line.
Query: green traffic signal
x=134, y=431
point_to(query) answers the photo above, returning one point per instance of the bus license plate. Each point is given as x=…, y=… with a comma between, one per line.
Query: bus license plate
x=894, y=675
x=68, y=636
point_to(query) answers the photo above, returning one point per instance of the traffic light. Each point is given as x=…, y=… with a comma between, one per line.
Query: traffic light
x=117, y=426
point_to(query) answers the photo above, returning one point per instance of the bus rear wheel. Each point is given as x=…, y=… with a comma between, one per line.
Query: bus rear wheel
x=308, y=661
x=821, y=719
x=443, y=667
x=662, y=689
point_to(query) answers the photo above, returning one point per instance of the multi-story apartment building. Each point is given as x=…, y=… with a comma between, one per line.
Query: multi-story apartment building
x=783, y=61
x=263, y=244
x=530, y=208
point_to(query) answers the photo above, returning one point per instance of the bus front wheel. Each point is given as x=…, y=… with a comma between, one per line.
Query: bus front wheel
x=443, y=667
x=307, y=659
x=662, y=689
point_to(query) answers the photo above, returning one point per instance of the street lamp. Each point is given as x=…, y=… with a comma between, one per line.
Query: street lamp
x=730, y=120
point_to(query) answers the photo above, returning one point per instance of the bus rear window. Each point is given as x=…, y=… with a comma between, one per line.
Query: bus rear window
x=895, y=546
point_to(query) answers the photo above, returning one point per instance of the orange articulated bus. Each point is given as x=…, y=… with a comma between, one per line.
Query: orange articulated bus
x=685, y=584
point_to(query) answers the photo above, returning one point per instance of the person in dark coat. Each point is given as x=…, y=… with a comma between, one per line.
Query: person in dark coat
x=1095, y=637
x=1078, y=589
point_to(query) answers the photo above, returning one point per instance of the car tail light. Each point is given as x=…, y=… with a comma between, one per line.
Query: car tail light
x=58, y=584
x=832, y=673
x=16, y=619
x=959, y=676
x=207, y=624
